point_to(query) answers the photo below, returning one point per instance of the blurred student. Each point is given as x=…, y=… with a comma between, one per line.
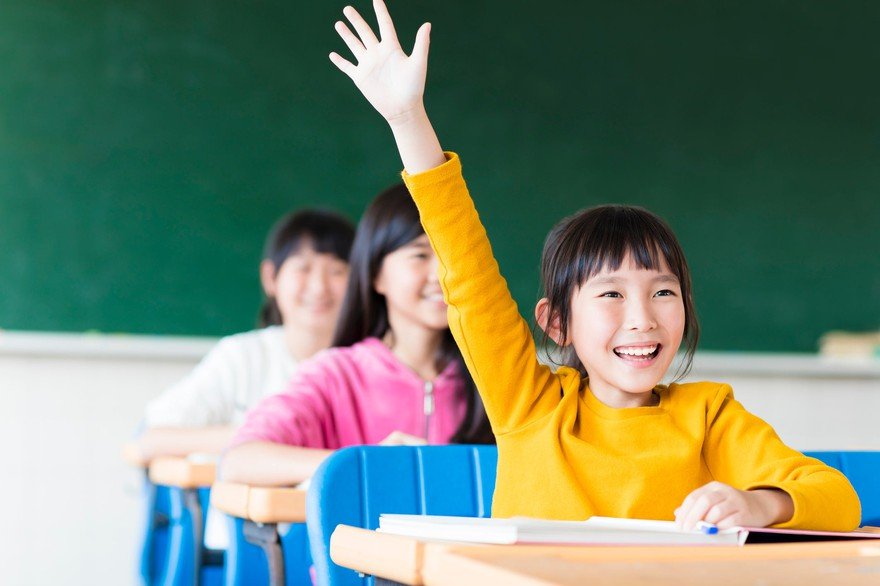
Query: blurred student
x=393, y=376
x=303, y=273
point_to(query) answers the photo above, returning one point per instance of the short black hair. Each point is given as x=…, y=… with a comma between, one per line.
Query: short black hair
x=583, y=244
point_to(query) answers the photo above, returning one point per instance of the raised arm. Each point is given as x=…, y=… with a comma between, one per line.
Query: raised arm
x=495, y=341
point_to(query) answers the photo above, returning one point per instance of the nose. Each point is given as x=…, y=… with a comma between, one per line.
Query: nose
x=639, y=316
x=318, y=283
x=433, y=270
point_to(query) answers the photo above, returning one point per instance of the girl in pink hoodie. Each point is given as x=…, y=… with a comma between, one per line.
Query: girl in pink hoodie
x=393, y=375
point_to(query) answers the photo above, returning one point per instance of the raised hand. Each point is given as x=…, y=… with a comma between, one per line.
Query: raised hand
x=392, y=82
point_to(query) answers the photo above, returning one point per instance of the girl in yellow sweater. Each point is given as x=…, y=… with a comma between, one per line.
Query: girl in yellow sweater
x=601, y=436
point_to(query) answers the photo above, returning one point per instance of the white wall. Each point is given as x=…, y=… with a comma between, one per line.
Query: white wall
x=69, y=402
x=813, y=403
x=71, y=506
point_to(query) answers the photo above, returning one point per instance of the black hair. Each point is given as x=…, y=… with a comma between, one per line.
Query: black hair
x=389, y=223
x=322, y=231
x=580, y=246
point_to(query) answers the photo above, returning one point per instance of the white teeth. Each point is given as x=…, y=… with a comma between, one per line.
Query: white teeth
x=642, y=351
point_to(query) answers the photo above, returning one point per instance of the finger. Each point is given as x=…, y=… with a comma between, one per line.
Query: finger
x=368, y=38
x=720, y=511
x=352, y=42
x=686, y=505
x=732, y=520
x=343, y=64
x=699, y=508
x=423, y=41
x=695, y=494
x=386, y=25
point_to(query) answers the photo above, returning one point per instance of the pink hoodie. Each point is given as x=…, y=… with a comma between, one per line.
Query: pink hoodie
x=357, y=395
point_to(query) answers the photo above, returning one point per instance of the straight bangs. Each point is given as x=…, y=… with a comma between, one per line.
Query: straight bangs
x=601, y=238
x=319, y=232
x=609, y=241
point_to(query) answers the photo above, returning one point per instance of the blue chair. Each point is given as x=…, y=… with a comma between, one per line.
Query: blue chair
x=188, y=562
x=355, y=485
x=264, y=553
x=863, y=470
x=154, y=550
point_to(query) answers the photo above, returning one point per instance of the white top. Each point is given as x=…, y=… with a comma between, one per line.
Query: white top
x=235, y=375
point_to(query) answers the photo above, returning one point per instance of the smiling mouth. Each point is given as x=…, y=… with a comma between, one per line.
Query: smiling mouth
x=638, y=353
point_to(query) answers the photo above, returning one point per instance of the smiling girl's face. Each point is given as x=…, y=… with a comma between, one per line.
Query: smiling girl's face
x=309, y=287
x=408, y=281
x=626, y=326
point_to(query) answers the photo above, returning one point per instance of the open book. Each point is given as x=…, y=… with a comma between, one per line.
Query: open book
x=596, y=531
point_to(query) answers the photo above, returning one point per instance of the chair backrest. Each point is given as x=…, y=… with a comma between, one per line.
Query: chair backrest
x=187, y=561
x=247, y=563
x=863, y=471
x=356, y=484
x=154, y=549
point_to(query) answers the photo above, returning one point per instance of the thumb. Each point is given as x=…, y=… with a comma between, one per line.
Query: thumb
x=423, y=40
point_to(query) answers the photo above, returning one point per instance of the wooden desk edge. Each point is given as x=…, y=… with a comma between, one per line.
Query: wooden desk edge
x=230, y=498
x=182, y=473
x=131, y=454
x=414, y=562
x=261, y=504
x=277, y=505
x=469, y=565
x=390, y=556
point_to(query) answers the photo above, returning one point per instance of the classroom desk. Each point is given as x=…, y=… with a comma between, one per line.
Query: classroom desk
x=402, y=560
x=133, y=456
x=183, y=472
x=260, y=504
x=261, y=510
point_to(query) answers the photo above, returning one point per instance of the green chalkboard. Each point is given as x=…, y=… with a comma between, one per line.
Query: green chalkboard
x=146, y=147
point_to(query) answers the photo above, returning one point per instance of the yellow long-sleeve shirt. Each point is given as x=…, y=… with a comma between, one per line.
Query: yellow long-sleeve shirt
x=562, y=454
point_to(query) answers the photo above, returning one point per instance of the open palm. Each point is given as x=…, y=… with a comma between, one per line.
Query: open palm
x=392, y=81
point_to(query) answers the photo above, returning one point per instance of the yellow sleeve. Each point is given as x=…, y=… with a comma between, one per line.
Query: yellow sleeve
x=744, y=451
x=494, y=339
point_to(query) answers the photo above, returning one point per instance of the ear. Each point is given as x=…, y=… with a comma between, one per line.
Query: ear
x=550, y=325
x=268, y=277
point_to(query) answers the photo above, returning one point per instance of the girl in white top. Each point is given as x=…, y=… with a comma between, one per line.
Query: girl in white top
x=304, y=273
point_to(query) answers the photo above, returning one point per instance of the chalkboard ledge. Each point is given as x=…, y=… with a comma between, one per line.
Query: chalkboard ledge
x=711, y=365
x=104, y=346
x=787, y=365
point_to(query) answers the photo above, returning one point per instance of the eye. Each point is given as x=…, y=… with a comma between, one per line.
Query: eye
x=611, y=294
x=665, y=293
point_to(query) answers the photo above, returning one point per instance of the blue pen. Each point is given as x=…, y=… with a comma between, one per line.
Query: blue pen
x=707, y=528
